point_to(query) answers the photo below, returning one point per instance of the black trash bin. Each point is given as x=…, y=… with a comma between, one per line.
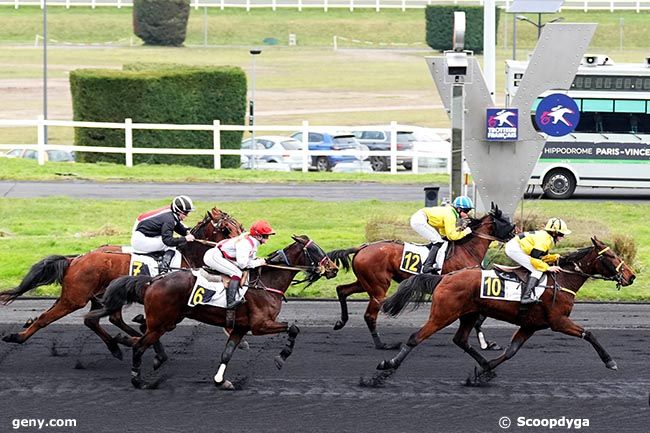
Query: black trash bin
x=431, y=196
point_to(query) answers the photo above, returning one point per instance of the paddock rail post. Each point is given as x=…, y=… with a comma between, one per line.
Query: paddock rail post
x=128, y=142
x=216, y=141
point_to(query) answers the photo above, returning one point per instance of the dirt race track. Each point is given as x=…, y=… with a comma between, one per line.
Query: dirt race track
x=64, y=372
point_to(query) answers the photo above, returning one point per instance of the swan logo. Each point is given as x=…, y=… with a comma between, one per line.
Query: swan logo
x=502, y=124
x=557, y=115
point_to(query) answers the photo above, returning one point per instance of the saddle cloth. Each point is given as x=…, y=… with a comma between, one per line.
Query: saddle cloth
x=413, y=257
x=141, y=264
x=210, y=292
x=504, y=286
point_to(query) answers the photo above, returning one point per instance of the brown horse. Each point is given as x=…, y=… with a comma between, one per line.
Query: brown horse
x=165, y=303
x=84, y=278
x=457, y=296
x=377, y=264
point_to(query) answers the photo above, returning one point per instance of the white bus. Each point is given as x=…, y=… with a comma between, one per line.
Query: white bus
x=610, y=147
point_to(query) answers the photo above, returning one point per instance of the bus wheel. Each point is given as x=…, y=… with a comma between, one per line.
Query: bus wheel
x=559, y=183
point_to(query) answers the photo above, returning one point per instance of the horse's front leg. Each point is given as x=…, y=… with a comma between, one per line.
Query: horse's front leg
x=487, y=371
x=569, y=327
x=461, y=339
x=234, y=338
x=273, y=327
x=293, y=332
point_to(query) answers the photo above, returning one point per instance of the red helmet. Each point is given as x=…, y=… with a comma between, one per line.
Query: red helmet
x=261, y=227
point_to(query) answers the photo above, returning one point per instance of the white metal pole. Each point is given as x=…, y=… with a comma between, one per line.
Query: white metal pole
x=128, y=142
x=40, y=132
x=489, y=45
x=305, y=146
x=45, y=69
x=216, y=142
x=393, y=147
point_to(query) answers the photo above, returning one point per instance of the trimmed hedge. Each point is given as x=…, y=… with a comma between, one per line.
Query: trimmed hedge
x=161, y=22
x=440, y=26
x=174, y=94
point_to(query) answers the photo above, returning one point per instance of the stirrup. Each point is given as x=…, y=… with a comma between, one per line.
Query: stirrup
x=235, y=304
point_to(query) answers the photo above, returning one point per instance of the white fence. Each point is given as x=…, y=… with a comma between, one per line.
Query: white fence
x=586, y=5
x=216, y=152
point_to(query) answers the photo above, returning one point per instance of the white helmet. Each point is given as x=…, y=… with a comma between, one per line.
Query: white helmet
x=182, y=204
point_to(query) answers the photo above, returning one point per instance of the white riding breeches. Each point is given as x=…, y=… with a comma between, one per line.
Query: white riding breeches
x=214, y=259
x=419, y=223
x=514, y=251
x=143, y=244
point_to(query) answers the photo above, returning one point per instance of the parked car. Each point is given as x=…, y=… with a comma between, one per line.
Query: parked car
x=323, y=140
x=379, y=139
x=50, y=155
x=277, y=144
x=434, y=146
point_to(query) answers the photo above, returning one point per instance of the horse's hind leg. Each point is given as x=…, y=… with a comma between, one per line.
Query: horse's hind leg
x=567, y=326
x=461, y=339
x=233, y=340
x=93, y=324
x=342, y=292
x=60, y=309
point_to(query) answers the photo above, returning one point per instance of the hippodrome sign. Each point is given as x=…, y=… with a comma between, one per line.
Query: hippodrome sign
x=501, y=169
x=557, y=115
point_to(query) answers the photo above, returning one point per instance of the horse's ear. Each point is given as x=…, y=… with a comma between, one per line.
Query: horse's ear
x=595, y=241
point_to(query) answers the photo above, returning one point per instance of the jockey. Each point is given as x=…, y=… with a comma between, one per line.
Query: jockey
x=438, y=224
x=531, y=250
x=232, y=255
x=154, y=230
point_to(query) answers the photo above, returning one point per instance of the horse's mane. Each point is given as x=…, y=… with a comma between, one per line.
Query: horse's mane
x=573, y=257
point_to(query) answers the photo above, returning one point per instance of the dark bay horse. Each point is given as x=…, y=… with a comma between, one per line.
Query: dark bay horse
x=457, y=296
x=165, y=303
x=84, y=278
x=377, y=264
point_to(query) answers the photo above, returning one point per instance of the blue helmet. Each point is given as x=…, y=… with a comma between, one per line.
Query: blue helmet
x=463, y=202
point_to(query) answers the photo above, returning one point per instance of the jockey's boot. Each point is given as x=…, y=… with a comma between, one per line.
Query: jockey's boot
x=527, y=292
x=166, y=261
x=429, y=266
x=231, y=292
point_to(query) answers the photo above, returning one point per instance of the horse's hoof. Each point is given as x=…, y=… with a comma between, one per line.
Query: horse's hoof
x=386, y=365
x=243, y=345
x=339, y=325
x=611, y=365
x=279, y=362
x=136, y=382
x=493, y=346
x=378, y=380
x=226, y=385
x=158, y=361
x=480, y=378
x=11, y=338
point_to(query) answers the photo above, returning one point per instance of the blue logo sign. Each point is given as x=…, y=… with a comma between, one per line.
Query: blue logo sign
x=502, y=124
x=557, y=115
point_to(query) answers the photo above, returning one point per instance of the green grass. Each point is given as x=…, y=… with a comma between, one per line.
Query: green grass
x=22, y=169
x=33, y=228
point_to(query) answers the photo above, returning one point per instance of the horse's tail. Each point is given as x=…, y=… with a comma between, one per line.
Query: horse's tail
x=342, y=257
x=48, y=271
x=413, y=289
x=120, y=292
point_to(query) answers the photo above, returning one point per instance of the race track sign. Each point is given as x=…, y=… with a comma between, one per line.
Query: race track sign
x=502, y=124
x=557, y=115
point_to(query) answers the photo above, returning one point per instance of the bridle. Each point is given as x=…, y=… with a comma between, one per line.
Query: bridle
x=486, y=236
x=314, y=267
x=616, y=270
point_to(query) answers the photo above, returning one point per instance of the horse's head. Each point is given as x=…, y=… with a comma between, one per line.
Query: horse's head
x=217, y=225
x=307, y=253
x=600, y=260
x=494, y=223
